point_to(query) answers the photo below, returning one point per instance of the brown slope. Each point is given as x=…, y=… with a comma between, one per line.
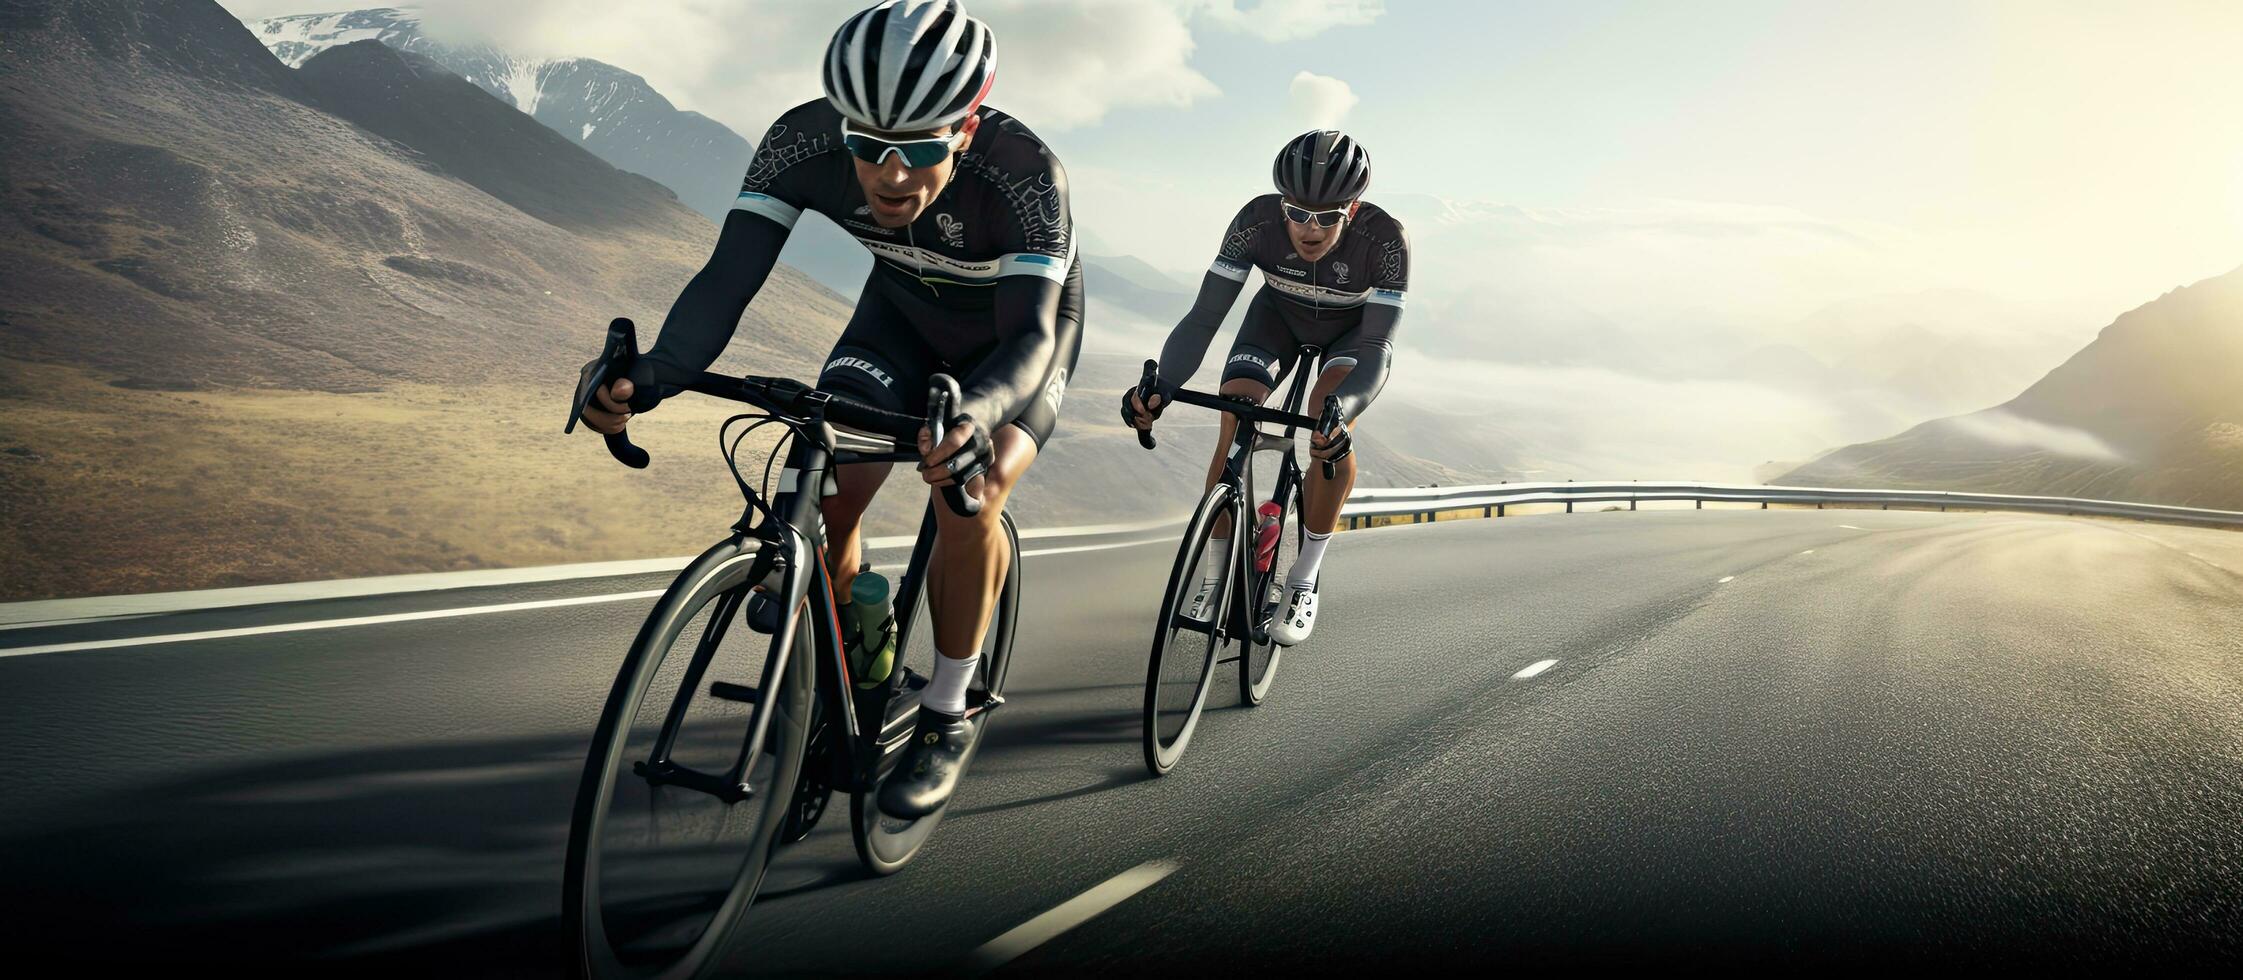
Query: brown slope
x=178, y=211
x=2152, y=410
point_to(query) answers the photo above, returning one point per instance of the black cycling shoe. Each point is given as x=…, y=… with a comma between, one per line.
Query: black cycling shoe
x=930, y=769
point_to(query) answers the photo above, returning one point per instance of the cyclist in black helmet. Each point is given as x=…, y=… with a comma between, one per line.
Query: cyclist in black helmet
x=1334, y=270
x=966, y=214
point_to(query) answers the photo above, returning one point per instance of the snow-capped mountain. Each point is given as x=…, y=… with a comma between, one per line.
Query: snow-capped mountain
x=611, y=112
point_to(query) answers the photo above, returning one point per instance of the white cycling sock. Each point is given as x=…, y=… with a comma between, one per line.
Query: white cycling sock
x=1211, y=563
x=1303, y=573
x=946, y=692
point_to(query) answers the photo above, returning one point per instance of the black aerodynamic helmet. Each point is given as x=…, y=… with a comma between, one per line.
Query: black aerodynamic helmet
x=1322, y=166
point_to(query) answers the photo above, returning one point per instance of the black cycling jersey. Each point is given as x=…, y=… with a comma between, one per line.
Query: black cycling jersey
x=986, y=277
x=1349, y=302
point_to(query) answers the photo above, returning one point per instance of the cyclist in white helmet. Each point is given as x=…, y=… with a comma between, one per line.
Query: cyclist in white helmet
x=965, y=212
x=1334, y=270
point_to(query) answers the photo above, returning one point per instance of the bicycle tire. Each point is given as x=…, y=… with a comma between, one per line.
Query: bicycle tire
x=593, y=952
x=1168, y=732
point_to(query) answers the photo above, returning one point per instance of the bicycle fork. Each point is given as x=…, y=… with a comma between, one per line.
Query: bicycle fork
x=779, y=577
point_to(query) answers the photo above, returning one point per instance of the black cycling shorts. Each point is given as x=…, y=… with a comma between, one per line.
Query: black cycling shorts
x=1267, y=347
x=883, y=360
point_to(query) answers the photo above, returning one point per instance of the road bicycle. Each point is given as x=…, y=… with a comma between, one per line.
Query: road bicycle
x=719, y=744
x=1196, y=630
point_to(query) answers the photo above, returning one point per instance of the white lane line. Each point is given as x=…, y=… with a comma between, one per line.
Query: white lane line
x=1071, y=913
x=1726, y=578
x=133, y=641
x=1532, y=669
x=64, y=612
x=1850, y=527
x=1071, y=549
x=1808, y=551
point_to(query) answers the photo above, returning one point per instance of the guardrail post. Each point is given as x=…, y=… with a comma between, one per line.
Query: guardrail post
x=1631, y=503
x=1818, y=505
x=1763, y=505
x=1701, y=505
x=1569, y=504
x=1499, y=509
x=1488, y=511
x=1884, y=506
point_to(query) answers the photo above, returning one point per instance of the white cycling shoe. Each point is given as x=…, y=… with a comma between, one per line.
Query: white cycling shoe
x=1299, y=618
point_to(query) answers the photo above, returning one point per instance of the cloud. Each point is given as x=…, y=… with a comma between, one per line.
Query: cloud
x=1321, y=101
x=2001, y=427
x=1292, y=20
x=1059, y=65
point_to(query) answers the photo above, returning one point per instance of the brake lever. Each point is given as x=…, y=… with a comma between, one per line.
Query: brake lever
x=1325, y=426
x=942, y=407
x=1149, y=383
x=617, y=355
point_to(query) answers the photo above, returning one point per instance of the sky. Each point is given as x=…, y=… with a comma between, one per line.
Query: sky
x=1604, y=183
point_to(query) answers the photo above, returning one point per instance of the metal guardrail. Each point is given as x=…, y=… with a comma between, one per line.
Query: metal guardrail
x=1421, y=503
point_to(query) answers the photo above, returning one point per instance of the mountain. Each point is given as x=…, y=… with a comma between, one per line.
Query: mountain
x=188, y=212
x=1129, y=283
x=611, y=112
x=2152, y=410
x=621, y=119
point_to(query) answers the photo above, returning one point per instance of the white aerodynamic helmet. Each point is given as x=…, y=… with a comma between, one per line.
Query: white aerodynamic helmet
x=1322, y=166
x=909, y=65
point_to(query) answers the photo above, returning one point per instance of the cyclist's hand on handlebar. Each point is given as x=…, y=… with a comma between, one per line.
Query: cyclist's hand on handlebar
x=1141, y=408
x=610, y=409
x=965, y=444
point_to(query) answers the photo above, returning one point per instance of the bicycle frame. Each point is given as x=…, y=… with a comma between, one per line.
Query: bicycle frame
x=1238, y=471
x=794, y=529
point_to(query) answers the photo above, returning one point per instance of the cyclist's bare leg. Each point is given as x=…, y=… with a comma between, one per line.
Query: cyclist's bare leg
x=1323, y=498
x=844, y=512
x=967, y=568
x=1242, y=388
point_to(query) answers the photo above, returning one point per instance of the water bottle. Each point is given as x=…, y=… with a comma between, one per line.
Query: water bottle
x=1265, y=535
x=874, y=656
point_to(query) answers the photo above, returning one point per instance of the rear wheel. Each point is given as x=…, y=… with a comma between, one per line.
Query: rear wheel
x=1186, y=647
x=666, y=848
x=1257, y=668
x=884, y=843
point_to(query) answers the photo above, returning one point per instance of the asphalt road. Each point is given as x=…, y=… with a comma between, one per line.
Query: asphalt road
x=1719, y=737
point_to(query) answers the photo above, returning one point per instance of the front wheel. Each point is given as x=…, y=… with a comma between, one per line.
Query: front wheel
x=675, y=818
x=1190, y=635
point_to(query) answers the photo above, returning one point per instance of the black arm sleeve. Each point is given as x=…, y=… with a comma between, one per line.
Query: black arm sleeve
x=701, y=322
x=1187, y=344
x=1028, y=326
x=1373, y=359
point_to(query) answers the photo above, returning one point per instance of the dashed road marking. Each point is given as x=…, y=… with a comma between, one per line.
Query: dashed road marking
x=1726, y=578
x=1071, y=913
x=1532, y=669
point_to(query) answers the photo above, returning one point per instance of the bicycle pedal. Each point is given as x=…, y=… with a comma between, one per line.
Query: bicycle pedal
x=738, y=693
